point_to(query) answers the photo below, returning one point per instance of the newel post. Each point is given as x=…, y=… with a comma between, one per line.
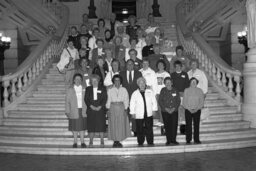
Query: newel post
x=249, y=72
x=155, y=8
x=92, y=10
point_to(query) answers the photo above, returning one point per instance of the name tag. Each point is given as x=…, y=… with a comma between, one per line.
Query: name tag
x=83, y=89
x=183, y=76
x=121, y=49
x=151, y=49
x=87, y=82
x=99, y=91
x=85, y=75
x=174, y=94
x=136, y=63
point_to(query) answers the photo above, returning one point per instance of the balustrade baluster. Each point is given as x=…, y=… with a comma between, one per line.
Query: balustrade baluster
x=203, y=60
x=34, y=71
x=6, y=84
x=19, y=92
x=230, y=85
x=238, y=88
x=214, y=72
x=25, y=81
x=206, y=63
x=30, y=76
x=219, y=77
x=44, y=59
x=210, y=67
x=37, y=67
x=13, y=90
x=41, y=63
x=224, y=81
x=199, y=55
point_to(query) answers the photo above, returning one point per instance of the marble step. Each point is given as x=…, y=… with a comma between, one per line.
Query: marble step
x=224, y=117
x=67, y=140
x=55, y=124
x=47, y=95
x=49, y=81
x=129, y=150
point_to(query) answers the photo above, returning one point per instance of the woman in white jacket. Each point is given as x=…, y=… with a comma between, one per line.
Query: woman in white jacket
x=143, y=105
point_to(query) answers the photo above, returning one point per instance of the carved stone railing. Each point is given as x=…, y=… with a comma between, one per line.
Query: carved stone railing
x=224, y=78
x=20, y=84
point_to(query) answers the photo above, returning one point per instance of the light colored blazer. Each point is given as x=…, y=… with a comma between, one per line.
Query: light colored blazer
x=137, y=103
x=71, y=104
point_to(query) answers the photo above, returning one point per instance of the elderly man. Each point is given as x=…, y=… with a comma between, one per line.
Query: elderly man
x=142, y=105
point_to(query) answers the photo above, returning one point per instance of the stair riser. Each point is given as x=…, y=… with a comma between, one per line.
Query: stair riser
x=223, y=119
x=128, y=141
x=63, y=126
x=129, y=151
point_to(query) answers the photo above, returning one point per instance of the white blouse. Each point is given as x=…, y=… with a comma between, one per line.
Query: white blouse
x=160, y=80
x=79, y=95
x=95, y=91
x=118, y=95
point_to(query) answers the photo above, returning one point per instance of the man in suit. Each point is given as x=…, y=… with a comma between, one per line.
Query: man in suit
x=130, y=77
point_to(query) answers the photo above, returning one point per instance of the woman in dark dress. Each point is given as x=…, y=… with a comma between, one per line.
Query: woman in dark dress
x=96, y=98
x=76, y=109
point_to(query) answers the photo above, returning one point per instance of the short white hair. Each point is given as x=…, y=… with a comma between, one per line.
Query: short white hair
x=141, y=79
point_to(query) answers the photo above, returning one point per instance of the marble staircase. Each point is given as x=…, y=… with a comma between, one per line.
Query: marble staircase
x=39, y=126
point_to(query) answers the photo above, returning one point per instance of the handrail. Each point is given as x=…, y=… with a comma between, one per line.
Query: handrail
x=27, y=74
x=225, y=78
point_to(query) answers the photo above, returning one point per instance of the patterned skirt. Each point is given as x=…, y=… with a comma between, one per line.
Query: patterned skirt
x=79, y=124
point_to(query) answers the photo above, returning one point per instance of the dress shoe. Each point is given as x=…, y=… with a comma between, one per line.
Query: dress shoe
x=198, y=142
x=83, y=145
x=167, y=143
x=119, y=145
x=75, y=145
x=188, y=143
x=151, y=145
x=175, y=143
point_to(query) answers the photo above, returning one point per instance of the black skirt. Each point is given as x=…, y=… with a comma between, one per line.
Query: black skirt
x=79, y=124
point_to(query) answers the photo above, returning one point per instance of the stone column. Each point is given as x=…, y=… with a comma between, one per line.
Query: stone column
x=155, y=8
x=249, y=73
x=92, y=10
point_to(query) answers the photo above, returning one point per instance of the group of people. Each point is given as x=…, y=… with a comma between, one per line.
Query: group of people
x=118, y=81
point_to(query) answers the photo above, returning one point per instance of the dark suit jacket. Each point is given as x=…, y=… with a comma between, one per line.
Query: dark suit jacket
x=133, y=86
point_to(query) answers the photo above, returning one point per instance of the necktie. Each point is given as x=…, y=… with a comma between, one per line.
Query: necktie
x=130, y=77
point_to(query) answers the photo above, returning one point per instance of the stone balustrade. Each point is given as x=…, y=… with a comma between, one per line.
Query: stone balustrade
x=225, y=77
x=16, y=84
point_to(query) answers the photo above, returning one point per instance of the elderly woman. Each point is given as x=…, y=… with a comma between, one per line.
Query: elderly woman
x=84, y=70
x=193, y=102
x=95, y=99
x=66, y=63
x=76, y=109
x=142, y=106
x=169, y=101
x=115, y=70
x=117, y=105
